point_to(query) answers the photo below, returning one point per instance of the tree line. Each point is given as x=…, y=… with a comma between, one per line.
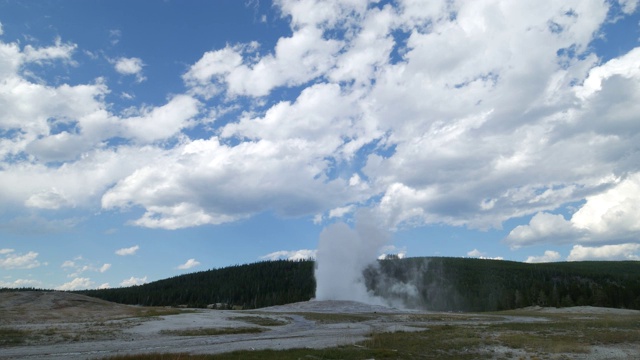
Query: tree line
x=462, y=284
x=247, y=286
x=438, y=284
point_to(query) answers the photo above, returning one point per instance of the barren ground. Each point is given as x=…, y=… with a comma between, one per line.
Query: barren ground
x=52, y=325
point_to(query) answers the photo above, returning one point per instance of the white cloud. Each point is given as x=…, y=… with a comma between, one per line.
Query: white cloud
x=610, y=216
x=628, y=6
x=189, y=264
x=128, y=251
x=104, y=268
x=388, y=250
x=130, y=66
x=207, y=182
x=624, y=66
x=114, y=36
x=475, y=253
x=549, y=256
x=294, y=255
x=59, y=51
x=499, y=112
x=79, y=265
x=319, y=13
x=629, y=251
x=13, y=260
x=162, y=122
x=296, y=60
x=21, y=283
x=132, y=281
x=543, y=227
x=76, y=284
x=1, y=29
x=341, y=211
x=104, y=286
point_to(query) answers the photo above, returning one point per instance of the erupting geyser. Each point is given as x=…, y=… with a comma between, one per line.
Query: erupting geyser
x=343, y=254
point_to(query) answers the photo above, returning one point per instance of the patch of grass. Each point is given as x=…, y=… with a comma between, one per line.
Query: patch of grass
x=147, y=312
x=329, y=318
x=442, y=343
x=544, y=343
x=212, y=331
x=260, y=320
x=13, y=337
x=159, y=356
x=568, y=333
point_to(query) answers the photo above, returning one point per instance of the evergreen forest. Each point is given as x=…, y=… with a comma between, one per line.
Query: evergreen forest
x=437, y=284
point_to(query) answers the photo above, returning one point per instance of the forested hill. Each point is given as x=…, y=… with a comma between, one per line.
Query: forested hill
x=447, y=284
x=460, y=284
x=250, y=286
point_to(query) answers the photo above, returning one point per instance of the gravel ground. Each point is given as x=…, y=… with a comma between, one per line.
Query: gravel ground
x=70, y=326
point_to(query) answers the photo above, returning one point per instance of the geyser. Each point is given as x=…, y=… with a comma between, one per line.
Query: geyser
x=343, y=254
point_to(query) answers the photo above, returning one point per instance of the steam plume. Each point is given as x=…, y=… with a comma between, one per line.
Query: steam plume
x=343, y=254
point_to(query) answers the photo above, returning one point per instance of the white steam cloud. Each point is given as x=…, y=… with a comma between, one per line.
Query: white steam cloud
x=343, y=254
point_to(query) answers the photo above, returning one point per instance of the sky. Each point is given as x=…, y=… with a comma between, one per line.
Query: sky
x=141, y=140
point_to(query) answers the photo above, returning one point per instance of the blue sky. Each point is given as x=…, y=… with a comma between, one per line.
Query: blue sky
x=145, y=139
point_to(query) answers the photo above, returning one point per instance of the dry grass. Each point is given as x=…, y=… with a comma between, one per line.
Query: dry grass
x=13, y=337
x=336, y=318
x=260, y=320
x=212, y=331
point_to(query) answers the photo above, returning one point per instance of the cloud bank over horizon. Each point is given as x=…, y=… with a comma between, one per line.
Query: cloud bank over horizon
x=468, y=114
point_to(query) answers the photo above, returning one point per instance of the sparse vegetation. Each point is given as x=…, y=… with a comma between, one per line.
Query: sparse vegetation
x=333, y=318
x=552, y=335
x=146, y=312
x=213, y=331
x=12, y=337
x=260, y=320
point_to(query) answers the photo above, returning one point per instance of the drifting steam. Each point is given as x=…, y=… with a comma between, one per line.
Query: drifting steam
x=345, y=254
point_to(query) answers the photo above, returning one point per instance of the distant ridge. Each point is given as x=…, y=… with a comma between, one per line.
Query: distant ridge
x=247, y=286
x=441, y=284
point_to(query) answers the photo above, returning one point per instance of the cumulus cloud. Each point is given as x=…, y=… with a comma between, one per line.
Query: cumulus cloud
x=79, y=265
x=130, y=66
x=466, y=114
x=543, y=227
x=9, y=259
x=629, y=251
x=628, y=6
x=128, y=251
x=295, y=255
x=549, y=256
x=341, y=211
x=76, y=284
x=475, y=253
x=612, y=215
x=296, y=60
x=388, y=251
x=20, y=283
x=58, y=51
x=189, y=264
x=132, y=281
